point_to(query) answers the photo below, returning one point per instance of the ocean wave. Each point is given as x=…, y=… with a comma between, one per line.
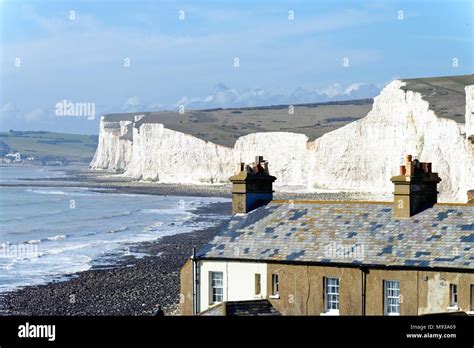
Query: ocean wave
x=153, y=226
x=45, y=192
x=120, y=229
x=12, y=219
x=32, y=241
x=58, y=237
x=55, y=212
x=8, y=266
x=166, y=211
x=113, y=216
x=19, y=204
x=27, y=256
x=69, y=247
x=125, y=194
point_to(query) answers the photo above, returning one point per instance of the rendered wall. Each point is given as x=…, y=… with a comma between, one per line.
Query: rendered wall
x=301, y=288
x=186, y=289
x=239, y=280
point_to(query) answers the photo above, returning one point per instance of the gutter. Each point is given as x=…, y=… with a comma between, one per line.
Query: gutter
x=194, y=290
x=341, y=264
x=364, y=271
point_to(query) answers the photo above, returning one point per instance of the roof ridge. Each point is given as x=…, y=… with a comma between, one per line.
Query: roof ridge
x=315, y=201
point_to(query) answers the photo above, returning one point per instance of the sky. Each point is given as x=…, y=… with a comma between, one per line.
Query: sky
x=149, y=55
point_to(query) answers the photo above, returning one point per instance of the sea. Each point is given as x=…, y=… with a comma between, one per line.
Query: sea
x=48, y=233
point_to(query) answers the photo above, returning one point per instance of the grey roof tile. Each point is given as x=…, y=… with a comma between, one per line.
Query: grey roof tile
x=349, y=232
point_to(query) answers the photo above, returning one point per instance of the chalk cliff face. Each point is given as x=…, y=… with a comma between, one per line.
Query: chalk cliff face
x=168, y=156
x=114, y=150
x=361, y=156
x=286, y=153
x=365, y=154
x=468, y=174
x=469, y=110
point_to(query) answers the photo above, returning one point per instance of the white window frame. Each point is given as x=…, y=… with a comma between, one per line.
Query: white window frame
x=471, y=305
x=391, y=297
x=214, y=285
x=453, y=296
x=275, y=286
x=331, y=295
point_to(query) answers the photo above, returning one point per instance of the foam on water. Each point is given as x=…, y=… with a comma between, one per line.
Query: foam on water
x=58, y=237
x=47, y=192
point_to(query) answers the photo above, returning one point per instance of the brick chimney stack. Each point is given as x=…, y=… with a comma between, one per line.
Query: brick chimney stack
x=470, y=196
x=415, y=188
x=252, y=186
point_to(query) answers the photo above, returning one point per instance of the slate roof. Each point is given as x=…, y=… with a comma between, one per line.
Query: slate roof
x=359, y=233
x=256, y=307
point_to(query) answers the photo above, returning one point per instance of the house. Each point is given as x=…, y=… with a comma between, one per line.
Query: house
x=412, y=256
x=16, y=157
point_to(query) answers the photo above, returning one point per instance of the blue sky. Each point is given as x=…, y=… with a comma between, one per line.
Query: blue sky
x=82, y=60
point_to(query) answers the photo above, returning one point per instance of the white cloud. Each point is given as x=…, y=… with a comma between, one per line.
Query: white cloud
x=226, y=97
x=8, y=113
x=60, y=23
x=132, y=104
x=34, y=115
x=331, y=90
x=8, y=108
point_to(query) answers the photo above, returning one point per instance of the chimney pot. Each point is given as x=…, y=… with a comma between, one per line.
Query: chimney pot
x=417, y=167
x=428, y=168
x=403, y=170
x=423, y=167
x=409, y=168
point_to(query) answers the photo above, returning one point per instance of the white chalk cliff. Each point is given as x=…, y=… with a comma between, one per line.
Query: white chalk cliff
x=164, y=155
x=361, y=156
x=114, y=150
